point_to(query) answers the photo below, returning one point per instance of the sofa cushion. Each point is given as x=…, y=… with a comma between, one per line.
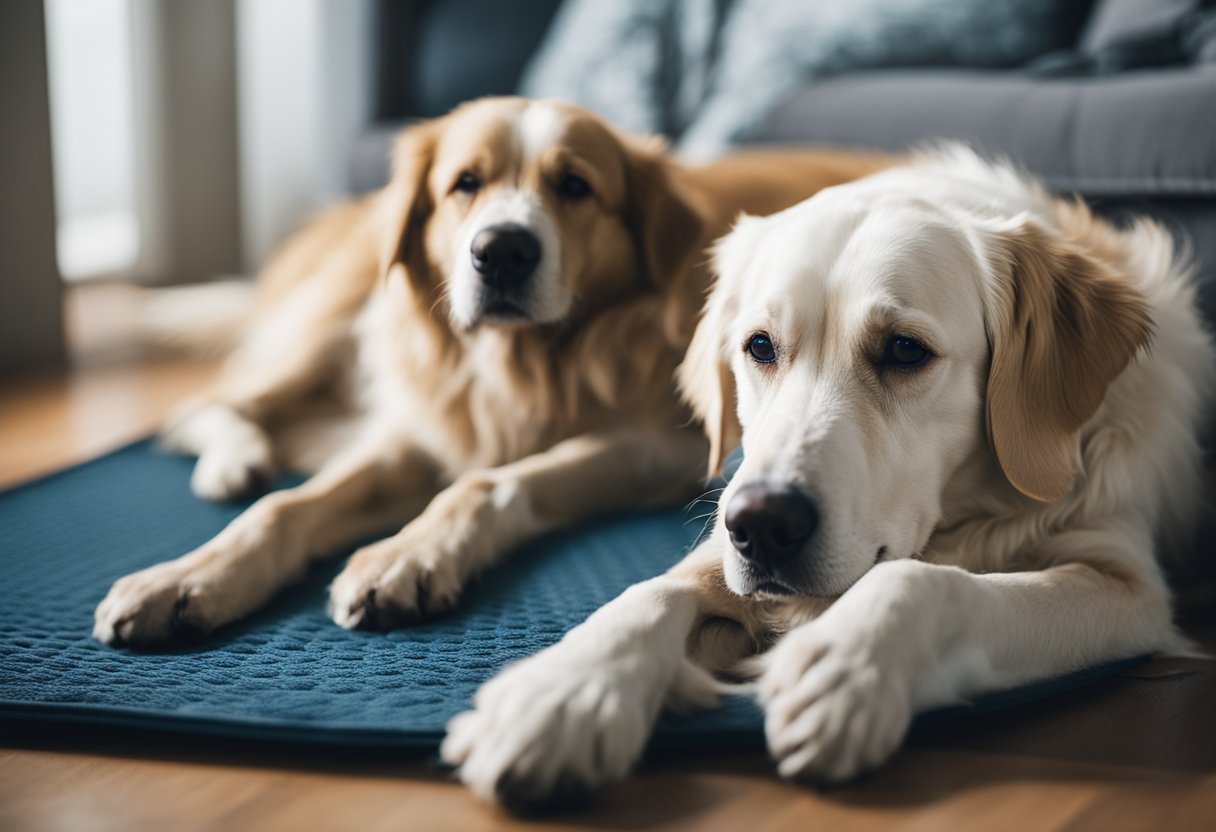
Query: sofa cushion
x=1114, y=20
x=1138, y=133
x=1139, y=34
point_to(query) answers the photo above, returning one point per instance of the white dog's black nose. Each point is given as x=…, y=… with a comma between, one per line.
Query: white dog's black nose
x=770, y=523
x=505, y=254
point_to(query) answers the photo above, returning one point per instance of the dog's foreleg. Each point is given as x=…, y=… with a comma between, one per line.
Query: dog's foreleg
x=374, y=487
x=226, y=426
x=483, y=515
x=578, y=714
x=840, y=692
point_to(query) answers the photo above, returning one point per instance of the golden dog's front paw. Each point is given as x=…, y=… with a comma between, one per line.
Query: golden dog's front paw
x=831, y=709
x=395, y=582
x=235, y=456
x=229, y=472
x=158, y=606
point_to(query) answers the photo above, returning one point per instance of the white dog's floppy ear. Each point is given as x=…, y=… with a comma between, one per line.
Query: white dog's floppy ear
x=709, y=388
x=705, y=377
x=1066, y=326
x=406, y=202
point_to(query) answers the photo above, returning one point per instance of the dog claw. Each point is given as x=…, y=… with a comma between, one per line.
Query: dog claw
x=185, y=630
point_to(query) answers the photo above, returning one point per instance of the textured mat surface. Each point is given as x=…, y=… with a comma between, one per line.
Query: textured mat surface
x=288, y=673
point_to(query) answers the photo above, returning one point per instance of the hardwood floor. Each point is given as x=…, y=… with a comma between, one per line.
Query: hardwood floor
x=931, y=790
x=51, y=421
x=1137, y=751
x=113, y=391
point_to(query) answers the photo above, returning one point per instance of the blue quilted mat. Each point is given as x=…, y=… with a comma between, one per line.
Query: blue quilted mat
x=289, y=673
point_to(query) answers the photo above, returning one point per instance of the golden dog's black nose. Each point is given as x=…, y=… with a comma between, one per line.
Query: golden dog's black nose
x=769, y=523
x=505, y=254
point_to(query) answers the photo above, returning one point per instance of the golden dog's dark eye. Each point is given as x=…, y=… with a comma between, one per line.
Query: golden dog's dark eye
x=468, y=183
x=573, y=187
x=905, y=353
x=761, y=348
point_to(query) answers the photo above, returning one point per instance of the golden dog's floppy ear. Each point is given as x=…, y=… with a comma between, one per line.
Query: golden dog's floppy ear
x=406, y=201
x=667, y=228
x=705, y=378
x=1068, y=327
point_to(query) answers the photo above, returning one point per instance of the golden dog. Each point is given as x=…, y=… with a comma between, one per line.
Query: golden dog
x=484, y=349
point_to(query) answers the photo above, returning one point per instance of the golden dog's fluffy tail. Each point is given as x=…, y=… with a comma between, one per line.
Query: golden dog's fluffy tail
x=204, y=319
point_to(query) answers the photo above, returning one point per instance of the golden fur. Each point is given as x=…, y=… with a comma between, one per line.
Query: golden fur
x=1073, y=325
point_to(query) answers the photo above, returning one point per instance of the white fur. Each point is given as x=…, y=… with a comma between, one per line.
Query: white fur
x=580, y=712
x=980, y=587
x=548, y=299
x=540, y=126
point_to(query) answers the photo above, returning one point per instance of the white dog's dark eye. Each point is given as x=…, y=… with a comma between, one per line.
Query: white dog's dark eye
x=468, y=183
x=761, y=348
x=905, y=353
x=573, y=187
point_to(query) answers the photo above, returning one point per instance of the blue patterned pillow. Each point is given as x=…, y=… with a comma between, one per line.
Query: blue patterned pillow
x=707, y=71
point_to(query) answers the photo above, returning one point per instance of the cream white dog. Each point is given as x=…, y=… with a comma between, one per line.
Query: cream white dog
x=970, y=413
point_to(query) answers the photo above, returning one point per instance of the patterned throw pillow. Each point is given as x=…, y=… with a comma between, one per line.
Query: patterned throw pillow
x=705, y=72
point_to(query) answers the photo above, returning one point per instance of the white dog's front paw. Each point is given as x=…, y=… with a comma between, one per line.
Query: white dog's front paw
x=832, y=710
x=396, y=581
x=554, y=728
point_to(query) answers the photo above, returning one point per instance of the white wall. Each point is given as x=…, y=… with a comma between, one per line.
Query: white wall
x=143, y=97
x=186, y=139
x=304, y=91
x=89, y=67
x=160, y=173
